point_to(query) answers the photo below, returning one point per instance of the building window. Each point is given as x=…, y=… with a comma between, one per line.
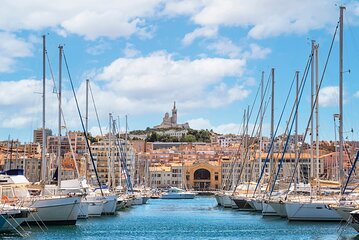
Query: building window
x=216, y=177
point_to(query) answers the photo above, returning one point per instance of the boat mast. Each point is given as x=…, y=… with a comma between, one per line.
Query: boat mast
x=43, y=152
x=296, y=128
x=59, y=138
x=260, y=126
x=113, y=173
x=87, y=106
x=238, y=178
x=125, y=162
x=109, y=151
x=119, y=158
x=272, y=126
x=247, y=147
x=317, y=114
x=311, y=119
x=341, y=170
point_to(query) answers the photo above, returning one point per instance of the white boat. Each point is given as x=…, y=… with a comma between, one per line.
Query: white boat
x=279, y=207
x=256, y=204
x=226, y=200
x=109, y=207
x=267, y=210
x=61, y=210
x=177, y=193
x=109, y=200
x=95, y=208
x=55, y=210
x=242, y=203
x=314, y=210
x=137, y=200
x=95, y=204
x=83, y=210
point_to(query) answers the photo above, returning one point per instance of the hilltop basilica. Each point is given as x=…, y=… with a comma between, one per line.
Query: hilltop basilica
x=171, y=122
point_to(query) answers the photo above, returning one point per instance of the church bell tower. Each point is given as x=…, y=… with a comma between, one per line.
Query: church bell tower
x=174, y=114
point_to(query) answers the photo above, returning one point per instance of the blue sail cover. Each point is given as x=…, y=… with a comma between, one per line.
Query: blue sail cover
x=13, y=172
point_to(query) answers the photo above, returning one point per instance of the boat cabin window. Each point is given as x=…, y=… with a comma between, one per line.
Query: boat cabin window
x=7, y=191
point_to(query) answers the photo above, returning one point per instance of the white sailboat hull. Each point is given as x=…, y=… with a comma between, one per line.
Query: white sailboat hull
x=95, y=208
x=109, y=206
x=83, y=210
x=310, y=211
x=267, y=210
x=137, y=201
x=279, y=207
x=58, y=211
x=256, y=204
x=226, y=201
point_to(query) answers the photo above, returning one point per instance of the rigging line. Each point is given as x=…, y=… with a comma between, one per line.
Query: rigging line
x=281, y=140
x=94, y=105
x=295, y=110
x=351, y=171
x=254, y=102
x=123, y=162
x=312, y=109
x=261, y=121
x=278, y=124
x=51, y=72
x=82, y=123
x=63, y=118
x=247, y=148
x=253, y=130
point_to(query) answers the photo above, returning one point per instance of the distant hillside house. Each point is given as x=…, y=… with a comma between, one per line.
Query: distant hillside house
x=171, y=122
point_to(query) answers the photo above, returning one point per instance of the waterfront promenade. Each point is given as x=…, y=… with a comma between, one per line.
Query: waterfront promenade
x=198, y=218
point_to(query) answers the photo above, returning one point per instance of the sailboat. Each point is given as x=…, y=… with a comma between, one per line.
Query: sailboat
x=50, y=209
x=317, y=209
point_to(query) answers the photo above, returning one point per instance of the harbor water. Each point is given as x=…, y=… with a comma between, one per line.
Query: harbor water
x=197, y=218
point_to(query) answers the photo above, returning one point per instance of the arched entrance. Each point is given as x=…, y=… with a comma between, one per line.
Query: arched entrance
x=202, y=179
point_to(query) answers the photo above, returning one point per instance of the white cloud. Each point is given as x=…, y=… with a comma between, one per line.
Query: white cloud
x=225, y=47
x=181, y=7
x=21, y=102
x=257, y=52
x=268, y=18
x=98, y=48
x=93, y=19
x=17, y=122
x=12, y=47
x=207, y=32
x=159, y=78
x=201, y=123
x=329, y=96
x=130, y=51
x=88, y=18
x=136, y=86
x=16, y=92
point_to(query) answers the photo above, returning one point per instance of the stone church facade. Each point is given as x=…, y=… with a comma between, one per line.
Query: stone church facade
x=171, y=121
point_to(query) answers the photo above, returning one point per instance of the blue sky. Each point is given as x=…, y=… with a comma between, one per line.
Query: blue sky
x=207, y=55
